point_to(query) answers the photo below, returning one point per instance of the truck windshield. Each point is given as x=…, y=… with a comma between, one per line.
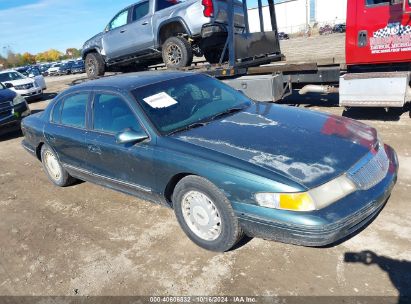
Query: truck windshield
x=176, y=104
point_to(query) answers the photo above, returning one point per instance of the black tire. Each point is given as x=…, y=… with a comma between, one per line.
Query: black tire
x=213, y=56
x=230, y=230
x=177, y=53
x=63, y=179
x=95, y=66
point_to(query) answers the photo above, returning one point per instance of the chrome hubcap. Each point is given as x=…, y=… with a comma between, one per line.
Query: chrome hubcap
x=201, y=215
x=52, y=165
x=174, y=54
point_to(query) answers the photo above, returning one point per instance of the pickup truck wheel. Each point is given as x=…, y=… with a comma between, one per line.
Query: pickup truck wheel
x=54, y=170
x=205, y=214
x=95, y=66
x=177, y=52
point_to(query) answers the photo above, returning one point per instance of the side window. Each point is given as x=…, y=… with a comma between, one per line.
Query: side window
x=111, y=114
x=140, y=10
x=74, y=110
x=55, y=117
x=162, y=4
x=376, y=2
x=120, y=20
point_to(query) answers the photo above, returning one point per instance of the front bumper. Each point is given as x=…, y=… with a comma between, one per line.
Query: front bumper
x=321, y=227
x=32, y=93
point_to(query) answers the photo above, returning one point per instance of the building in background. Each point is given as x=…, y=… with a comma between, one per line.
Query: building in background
x=293, y=15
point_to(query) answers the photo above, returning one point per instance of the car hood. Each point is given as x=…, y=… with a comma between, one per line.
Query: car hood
x=20, y=81
x=7, y=95
x=307, y=147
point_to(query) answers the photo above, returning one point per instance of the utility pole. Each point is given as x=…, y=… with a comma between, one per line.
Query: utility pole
x=307, y=16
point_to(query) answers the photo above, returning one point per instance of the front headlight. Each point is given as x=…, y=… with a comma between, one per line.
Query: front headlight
x=314, y=199
x=18, y=100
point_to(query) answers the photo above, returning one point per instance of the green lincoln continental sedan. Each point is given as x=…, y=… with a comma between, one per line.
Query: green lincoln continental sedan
x=227, y=166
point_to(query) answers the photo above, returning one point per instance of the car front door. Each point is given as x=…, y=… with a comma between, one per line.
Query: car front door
x=125, y=166
x=116, y=40
x=66, y=132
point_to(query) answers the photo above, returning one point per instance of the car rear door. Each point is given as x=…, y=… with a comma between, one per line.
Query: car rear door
x=66, y=132
x=142, y=27
x=126, y=166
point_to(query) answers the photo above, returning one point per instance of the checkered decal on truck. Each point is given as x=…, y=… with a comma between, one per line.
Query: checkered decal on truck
x=393, y=29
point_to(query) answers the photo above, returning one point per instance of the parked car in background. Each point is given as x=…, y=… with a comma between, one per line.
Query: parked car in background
x=339, y=28
x=326, y=30
x=24, y=86
x=225, y=164
x=54, y=69
x=13, y=108
x=65, y=68
x=153, y=31
x=78, y=67
x=44, y=69
x=34, y=73
x=283, y=36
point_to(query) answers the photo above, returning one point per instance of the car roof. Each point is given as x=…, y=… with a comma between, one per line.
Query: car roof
x=132, y=81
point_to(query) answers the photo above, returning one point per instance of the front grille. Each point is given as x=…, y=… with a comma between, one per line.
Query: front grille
x=371, y=170
x=5, y=109
x=24, y=86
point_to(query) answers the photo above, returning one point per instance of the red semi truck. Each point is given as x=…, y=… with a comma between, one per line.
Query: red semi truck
x=378, y=54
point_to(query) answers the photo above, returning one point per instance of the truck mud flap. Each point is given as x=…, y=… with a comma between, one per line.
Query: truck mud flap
x=389, y=89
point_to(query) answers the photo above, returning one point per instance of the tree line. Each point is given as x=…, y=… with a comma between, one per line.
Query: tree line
x=12, y=59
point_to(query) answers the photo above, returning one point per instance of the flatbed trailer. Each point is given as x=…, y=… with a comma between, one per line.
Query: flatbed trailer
x=377, y=72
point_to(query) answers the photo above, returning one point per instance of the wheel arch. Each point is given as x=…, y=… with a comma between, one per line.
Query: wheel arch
x=89, y=51
x=38, y=150
x=172, y=27
x=171, y=185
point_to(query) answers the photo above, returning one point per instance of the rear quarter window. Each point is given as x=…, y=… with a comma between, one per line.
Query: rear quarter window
x=74, y=110
x=56, y=114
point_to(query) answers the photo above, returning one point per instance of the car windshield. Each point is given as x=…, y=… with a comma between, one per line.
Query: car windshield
x=177, y=104
x=10, y=76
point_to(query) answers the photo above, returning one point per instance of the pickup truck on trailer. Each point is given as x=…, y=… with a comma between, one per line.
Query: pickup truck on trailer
x=152, y=31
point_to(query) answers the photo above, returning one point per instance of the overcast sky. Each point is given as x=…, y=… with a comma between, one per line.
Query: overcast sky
x=38, y=25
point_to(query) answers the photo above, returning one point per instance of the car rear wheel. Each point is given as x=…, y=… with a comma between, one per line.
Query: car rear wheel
x=95, y=66
x=54, y=170
x=205, y=214
x=177, y=52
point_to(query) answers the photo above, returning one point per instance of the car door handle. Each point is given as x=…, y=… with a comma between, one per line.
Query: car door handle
x=94, y=149
x=123, y=31
x=144, y=23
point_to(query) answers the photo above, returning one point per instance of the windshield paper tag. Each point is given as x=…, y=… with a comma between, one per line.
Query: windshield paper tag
x=160, y=100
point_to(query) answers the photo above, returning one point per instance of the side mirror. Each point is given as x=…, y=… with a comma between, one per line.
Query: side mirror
x=8, y=85
x=130, y=136
x=32, y=75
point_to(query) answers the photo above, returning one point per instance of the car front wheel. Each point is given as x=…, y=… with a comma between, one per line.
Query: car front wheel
x=54, y=170
x=205, y=214
x=95, y=66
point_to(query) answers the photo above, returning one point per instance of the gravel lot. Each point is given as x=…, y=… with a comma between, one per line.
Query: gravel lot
x=87, y=240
